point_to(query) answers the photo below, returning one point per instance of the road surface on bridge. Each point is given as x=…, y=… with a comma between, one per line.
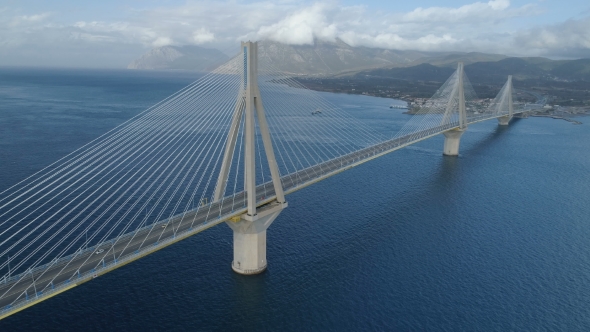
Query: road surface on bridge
x=21, y=291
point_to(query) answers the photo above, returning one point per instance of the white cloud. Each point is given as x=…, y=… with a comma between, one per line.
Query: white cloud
x=478, y=26
x=203, y=36
x=478, y=12
x=33, y=18
x=570, y=38
x=302, y=27
x=23, y=21
x=162, y=41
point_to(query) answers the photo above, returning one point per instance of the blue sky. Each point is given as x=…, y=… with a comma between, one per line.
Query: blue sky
x=110, y=33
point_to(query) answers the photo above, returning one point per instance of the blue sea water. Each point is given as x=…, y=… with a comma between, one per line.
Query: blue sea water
x=497, y=239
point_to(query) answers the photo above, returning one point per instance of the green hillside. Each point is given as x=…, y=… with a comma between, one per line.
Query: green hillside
x=493, y=72
x=421, y=72
x=574, y=69
x=451, y=60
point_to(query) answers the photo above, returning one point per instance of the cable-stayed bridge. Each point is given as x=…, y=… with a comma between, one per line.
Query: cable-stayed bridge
x=226, y=148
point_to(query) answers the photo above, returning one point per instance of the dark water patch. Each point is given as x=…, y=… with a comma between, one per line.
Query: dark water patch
x=496, y=239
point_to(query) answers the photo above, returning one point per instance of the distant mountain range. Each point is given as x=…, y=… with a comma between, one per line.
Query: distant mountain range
x=337, y=58
x=340, y=59
x=320, y=59
x=492, y=72
x=180, y=57
x=451, y=59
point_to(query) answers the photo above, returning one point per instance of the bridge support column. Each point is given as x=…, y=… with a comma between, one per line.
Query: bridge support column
x=453, y=136
x=250, y=228
x=504, y=120
x=506, y=98
x=452, y=140
x=250, y=239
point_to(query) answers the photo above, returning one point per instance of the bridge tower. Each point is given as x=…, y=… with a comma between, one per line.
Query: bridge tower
x=505, y=120
x=453, y=136
x=250, y=230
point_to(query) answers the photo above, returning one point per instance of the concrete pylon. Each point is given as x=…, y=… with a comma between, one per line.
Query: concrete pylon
x=505, y=120
x=453, y=136
x=250, y=228
x=452, y=141
x=250, y=240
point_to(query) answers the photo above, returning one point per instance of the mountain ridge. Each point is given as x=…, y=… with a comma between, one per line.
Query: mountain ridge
x=189, y=57
x=338, y=59
x=492, y=72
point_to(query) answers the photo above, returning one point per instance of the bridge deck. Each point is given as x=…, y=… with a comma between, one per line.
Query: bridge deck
x=19, y=291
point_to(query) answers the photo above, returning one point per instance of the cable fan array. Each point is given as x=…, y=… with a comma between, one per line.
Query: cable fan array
x=158, y=164
x=441, y=111
x=307, y=129
x=162, y=163
x=500, y=106
x=153, y=177
x=438, y=113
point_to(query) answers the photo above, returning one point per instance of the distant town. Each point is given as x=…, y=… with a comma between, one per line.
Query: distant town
x=556, y=103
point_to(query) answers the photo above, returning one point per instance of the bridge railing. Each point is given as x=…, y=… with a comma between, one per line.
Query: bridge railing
x=325, y=168
x=342, y=161
x=122, y=260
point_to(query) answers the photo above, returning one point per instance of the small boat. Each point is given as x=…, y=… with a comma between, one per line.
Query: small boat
x=399, y=106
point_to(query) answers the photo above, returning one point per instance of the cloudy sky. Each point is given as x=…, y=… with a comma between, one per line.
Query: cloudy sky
x=111, y=33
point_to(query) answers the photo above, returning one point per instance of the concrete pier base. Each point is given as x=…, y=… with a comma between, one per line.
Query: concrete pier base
x=504, y=120
x=452, y=141
x=250, y=239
